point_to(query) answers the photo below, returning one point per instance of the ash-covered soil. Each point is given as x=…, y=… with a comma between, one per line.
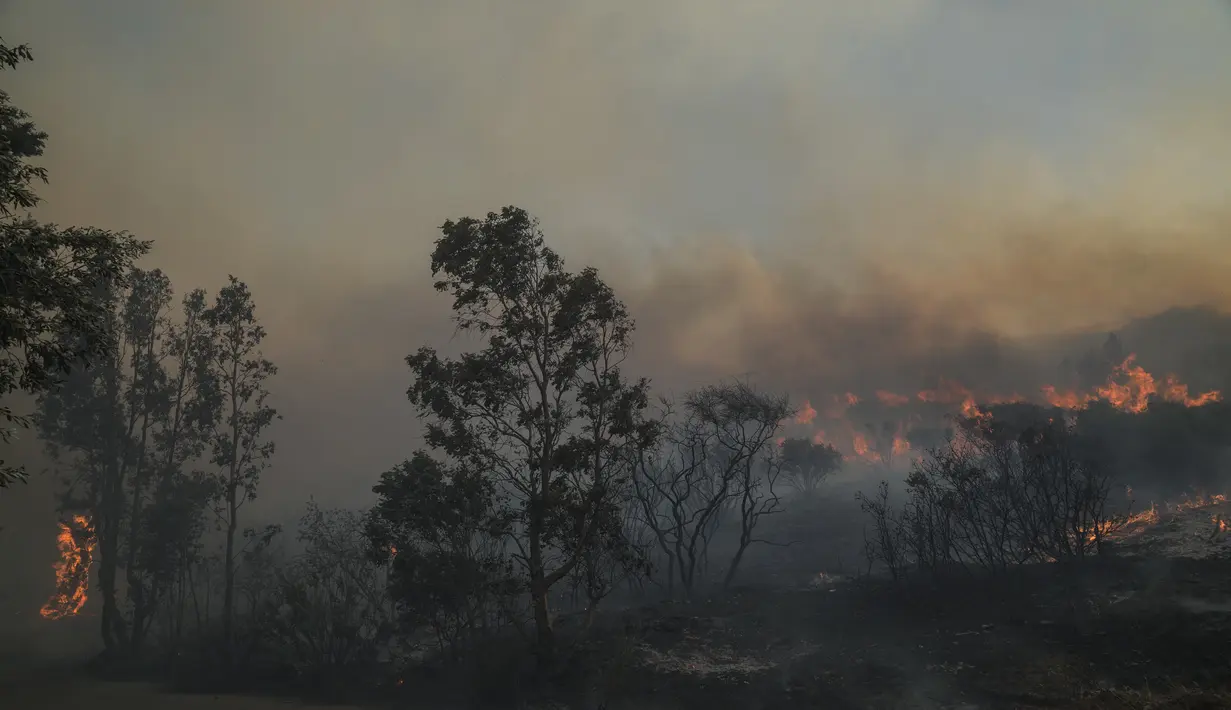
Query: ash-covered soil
x=1147, y=627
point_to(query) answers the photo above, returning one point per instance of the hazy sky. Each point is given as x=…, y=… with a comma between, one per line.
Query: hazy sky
x=821, y=190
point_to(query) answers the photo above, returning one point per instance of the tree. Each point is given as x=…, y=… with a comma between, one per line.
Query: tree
x=20, y=140
x=441, y=530
x=999, y=495
x=745, y=423
x=101, y=424
x=806, y=464
x=544, y=407
x=53, y=281
x=168, y=500
x=714, y=460
x=330, y=611
x=238, y=441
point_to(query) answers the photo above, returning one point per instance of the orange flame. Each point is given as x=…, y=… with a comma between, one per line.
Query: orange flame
x=1200, y=501
x=72, y=570
x=892, y=399
x=860, y=444
x=1129, y=388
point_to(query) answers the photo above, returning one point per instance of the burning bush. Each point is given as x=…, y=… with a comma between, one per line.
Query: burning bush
x=994, y=497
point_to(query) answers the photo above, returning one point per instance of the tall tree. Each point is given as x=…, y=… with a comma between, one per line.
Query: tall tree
x=544, y=407
x=53, y=282
x=167, y=499
x=240, y=448
x=99, y=425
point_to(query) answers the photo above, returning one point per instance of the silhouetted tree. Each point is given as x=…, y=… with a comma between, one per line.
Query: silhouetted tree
x=101, y=425
x=543, y=407
x=53, y=281
x=330, y=611
x=713, y=460
x=441, y=530
x=240, y=448
x=806, y=465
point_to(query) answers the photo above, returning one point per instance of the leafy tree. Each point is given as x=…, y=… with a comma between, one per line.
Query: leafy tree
x=806, y=464
x=330, y=612
x=167, y=499
x=170, y=546
x=238, y=441
x=544, y=407
x=100, y=425
x=20, y=140
x=613, y=554
x=441, y=530
x=53, y=282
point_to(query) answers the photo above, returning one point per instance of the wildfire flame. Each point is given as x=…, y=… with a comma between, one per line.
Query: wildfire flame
x=1152, y=516
x=1129, y=388
x=76, y=544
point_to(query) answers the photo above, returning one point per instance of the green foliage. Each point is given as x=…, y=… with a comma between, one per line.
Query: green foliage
x=20, y=140
x=441, y=530
x=53, y=281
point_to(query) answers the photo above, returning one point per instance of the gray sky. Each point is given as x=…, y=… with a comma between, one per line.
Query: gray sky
x=821, y=191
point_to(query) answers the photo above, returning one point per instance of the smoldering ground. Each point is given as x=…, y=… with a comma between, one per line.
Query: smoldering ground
x=827, y=198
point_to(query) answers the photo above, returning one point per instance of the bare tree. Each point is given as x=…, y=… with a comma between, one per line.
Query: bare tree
x=719, y=458
x=996, y=497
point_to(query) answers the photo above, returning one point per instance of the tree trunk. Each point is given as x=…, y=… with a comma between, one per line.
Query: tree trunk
x=545, y=635
x=108, y=564
x=136, y=585
x=228, y=574
x=106, y=586
x=739, y=556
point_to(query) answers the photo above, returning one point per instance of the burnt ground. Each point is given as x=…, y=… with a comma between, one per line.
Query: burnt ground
x=1147, y=627
x=1129, y=633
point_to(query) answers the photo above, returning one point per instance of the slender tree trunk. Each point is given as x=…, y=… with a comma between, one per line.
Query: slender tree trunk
x=136, y=584
x=110, y=520
x=545, y=637
x=228, y=572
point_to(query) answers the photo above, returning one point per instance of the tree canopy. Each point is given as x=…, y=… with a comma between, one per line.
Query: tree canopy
x=52, y=313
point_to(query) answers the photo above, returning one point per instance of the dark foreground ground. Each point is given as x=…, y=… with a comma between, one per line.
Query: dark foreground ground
x=1129, y=633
